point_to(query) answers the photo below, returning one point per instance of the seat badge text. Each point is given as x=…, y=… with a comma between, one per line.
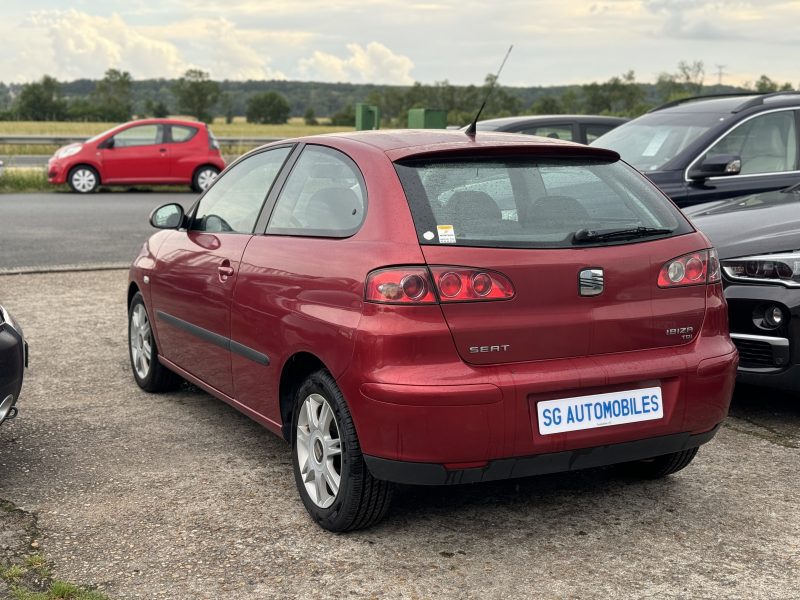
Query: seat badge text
x=685, y=333
x=480, y=349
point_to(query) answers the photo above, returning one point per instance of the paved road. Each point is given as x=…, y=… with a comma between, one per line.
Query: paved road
x=179, y=496
x=27, y=161
x=56, y=230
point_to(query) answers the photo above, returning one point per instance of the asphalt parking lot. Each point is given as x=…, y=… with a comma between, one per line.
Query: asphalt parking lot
x=179, y=496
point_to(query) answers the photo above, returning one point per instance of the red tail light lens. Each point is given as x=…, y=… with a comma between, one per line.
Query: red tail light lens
x=696, y=268
x=400, y=285
x=459, y=284
x=413, y=285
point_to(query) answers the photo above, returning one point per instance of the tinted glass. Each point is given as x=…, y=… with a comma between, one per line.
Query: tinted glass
x=141, y=135
x=556, y=132
x=183, y=134
x=234, y=200
x=595, y=131
x=766, y=144
x=652, y=140
x=324, y=195
x=530, y=203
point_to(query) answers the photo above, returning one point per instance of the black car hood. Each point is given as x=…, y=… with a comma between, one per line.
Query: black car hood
x=749, y=225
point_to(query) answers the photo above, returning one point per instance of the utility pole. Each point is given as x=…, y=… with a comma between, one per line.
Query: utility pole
x=720, y=72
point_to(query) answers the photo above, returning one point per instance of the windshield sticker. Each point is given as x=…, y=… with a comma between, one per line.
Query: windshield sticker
x=428, y=235
x=447, y=234
x=655, y=144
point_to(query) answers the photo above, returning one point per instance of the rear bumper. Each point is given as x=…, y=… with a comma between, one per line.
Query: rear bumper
x=540, y=464
x=487, y=425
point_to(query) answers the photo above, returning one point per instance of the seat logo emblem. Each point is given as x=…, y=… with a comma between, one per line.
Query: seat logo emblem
x=590, y=282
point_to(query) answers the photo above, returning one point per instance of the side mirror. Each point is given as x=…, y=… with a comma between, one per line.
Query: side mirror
x=169, y=216
x=107, y=143
x=716, y=166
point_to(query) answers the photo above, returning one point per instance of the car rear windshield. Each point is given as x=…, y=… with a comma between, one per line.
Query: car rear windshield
x=652, y=140
x=534, y=203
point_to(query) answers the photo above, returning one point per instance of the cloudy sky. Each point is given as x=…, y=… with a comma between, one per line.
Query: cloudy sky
x=399, y=42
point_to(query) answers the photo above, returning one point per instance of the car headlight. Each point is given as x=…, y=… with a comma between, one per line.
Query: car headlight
x=782, y=269
x=69, y=151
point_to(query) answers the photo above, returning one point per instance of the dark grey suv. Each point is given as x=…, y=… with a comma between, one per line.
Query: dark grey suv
x=714, y=147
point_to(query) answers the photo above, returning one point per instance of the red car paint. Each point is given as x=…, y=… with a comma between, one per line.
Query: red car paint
x=416, y=392
x=164, y=160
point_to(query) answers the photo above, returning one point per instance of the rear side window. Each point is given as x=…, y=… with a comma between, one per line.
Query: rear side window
x=181, y=133
x=324, y=196
x=555, y=132
x=531, y=203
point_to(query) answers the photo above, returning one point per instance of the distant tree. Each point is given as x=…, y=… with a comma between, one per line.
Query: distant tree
x=691, y=75
x=310, y=117
x=196, y=94
x=765, y=85
x=112, y=96
x=41, y=101
x=156, y=108
x=617, y=96
x=547, y=105
x=5, y=97
x=345, y=117
x=269, y=107
x=226, y=103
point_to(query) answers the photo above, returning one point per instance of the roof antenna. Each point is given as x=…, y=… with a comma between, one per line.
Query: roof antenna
x=471, y=130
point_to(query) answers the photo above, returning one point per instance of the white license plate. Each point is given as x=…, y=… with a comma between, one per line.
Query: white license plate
x=600, y=410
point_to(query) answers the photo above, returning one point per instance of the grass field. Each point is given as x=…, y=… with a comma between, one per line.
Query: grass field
x=239, y=128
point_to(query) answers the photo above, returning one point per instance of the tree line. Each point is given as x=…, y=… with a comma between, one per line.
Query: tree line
x=118, y=97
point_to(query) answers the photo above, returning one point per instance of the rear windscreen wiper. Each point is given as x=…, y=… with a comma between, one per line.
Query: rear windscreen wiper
x=791, y=189
x=586, y=236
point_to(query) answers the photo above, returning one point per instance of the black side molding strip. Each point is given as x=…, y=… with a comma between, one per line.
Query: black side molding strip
x=540, y=464
x=215, y=338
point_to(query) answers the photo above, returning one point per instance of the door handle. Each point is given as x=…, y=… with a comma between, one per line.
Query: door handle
x=225, y=271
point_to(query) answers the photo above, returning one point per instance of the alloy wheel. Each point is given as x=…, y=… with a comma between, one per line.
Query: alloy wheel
x=84, y=180
x=141, y=336
x=319, y=450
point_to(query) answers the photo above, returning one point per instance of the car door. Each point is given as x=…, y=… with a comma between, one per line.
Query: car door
x=767, y=144
x=137, y=153
x=184, y=152
x=196, y=270
x=285, y=301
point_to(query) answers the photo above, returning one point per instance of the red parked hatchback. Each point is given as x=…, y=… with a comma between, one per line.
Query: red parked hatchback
x=423, y=307
x=149, y=151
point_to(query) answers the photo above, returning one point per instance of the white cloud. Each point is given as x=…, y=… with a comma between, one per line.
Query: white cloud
x=85, y=45
x=374, y=64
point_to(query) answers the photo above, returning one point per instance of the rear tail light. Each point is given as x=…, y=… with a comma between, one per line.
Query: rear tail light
x=418, y=285
x=695, y=268
x=458, y=284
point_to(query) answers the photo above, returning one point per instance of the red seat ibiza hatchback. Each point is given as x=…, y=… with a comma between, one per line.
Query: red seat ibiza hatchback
x=425, y=307
x=149, y=151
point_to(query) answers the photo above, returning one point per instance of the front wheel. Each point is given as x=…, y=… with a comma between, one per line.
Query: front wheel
x=335, y=485
x=661, y=466
x=149, y=374
x=83, y=179
x=203, y=178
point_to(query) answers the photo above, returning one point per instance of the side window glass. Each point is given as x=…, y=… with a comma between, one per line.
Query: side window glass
x=141, y=135
x=766, y=144
x=323, y=196
x=595, y=131
x=556, y=132
x=234, y=200
x=181, y=133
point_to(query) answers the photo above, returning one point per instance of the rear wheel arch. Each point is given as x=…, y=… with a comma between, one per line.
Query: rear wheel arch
x=295, y=371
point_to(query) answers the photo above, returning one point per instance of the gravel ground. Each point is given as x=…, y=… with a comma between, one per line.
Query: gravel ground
x=179, y=496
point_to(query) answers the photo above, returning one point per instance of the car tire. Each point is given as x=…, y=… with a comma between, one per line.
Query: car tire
x=148, y=372
x=83, y=179
x=203, y=177
x=660, y=466
x=332, y=478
